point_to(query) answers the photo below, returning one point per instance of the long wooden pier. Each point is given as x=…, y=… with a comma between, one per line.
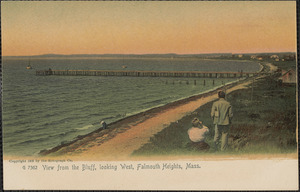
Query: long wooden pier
x=197, y=74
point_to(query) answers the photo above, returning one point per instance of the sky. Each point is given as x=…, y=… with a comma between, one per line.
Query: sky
x=155, y=27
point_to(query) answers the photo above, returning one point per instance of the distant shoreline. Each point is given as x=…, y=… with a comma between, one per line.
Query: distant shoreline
x=122, y=58
x=146, y=55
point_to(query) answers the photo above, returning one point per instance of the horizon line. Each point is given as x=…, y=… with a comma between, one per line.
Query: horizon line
x=136, y=54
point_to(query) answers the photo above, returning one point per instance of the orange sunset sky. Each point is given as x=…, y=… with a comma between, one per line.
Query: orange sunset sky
x=33, y=28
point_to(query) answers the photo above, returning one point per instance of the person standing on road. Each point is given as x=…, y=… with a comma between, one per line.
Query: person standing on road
x=221, y=113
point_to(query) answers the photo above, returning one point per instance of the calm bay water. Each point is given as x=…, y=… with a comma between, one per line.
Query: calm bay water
x=40, y=112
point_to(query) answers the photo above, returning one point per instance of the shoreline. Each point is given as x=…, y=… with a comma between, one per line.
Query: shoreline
x=121, y=126
x=63, y=57
x=138, y=115
x=125, y=123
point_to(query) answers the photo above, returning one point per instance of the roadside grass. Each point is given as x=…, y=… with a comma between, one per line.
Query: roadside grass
x=266, y=124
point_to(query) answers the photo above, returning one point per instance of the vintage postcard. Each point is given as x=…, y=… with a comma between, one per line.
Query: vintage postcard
x=149, y=95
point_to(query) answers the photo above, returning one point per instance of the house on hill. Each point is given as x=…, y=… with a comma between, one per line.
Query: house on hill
x=274, y=57
x=289, y=76
x=260, y=58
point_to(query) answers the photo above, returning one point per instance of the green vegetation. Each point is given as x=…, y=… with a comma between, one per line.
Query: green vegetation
x=264, y=124
x=285, y=65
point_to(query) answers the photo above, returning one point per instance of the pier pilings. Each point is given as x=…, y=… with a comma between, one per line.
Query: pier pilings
x=189, y=74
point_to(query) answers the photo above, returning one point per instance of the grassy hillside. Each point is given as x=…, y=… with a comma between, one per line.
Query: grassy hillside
x=264, y=124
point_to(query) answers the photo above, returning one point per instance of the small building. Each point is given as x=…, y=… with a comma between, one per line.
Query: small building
x=274, y=57
x=289, y=76
x=259, y=58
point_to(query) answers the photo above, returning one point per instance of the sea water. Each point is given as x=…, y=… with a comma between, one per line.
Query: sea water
x=41, y=112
